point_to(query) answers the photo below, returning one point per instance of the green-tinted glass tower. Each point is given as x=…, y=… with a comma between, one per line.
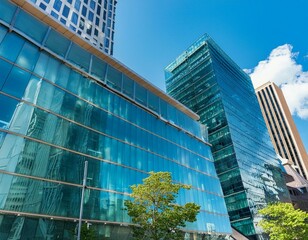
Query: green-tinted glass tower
x=207, y=81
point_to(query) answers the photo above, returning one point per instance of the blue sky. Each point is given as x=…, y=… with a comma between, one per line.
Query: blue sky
x=270, y=38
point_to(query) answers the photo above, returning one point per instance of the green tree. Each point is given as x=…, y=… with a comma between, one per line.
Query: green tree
x=282, y=222
x=87, y=233
x=154, y=209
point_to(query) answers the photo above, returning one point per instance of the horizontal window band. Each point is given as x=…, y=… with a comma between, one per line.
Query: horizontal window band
x=54, y=217
x=115, y=115
x=104, y=134
x=89, y=156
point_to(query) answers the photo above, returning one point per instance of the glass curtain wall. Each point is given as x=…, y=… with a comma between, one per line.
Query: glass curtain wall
x=207, y=81
x=62, y=106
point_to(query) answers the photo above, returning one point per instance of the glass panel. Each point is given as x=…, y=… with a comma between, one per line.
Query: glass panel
x=163, y=109
x=79, y=56
x=128, y=86
x=114, y=78
x=7, y=11
x=140, y=94
x=62, y=77
x=16, y=82
x=41, y=64
x=52, y=69
x=8, y=106
x=3, y=31
x=172, y=114
x=28, y=56
x=74, y=82
x=6, y=49
x=5, y=69
x=48, y=193
x=33, y=89
x=57, y=43
x=153, y=102
x=98, y=68
x=25, y=23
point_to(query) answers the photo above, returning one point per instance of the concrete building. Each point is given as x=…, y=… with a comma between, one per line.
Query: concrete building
x=94, y=20
x=283, y=132
x=297, y=185
x=208, y=82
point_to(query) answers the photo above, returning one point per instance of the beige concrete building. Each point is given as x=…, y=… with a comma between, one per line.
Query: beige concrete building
x=283, y=132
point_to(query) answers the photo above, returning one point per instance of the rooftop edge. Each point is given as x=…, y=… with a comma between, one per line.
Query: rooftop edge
x=45, y=18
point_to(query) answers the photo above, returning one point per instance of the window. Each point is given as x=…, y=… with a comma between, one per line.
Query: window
x=25, y=23
x=7, y=11
x=57, y=5
x=128, y=86
x=77, y=5
x=153, y=102
x=98, y=10
x=28, y=56
x=74, y=18
x=79, y=56
x=91, y=15
x=92, y=4
x=5, y=69
x=7, y=110
x=140, y=94
x=62, y=20
x=97, y=21
x=84, y=11
x=65, y=11
x=98, y=68
x=114, y=78
x=57, y=43
x=16, y=82
x=55, y=15
x=9, y=52
x=43, y=6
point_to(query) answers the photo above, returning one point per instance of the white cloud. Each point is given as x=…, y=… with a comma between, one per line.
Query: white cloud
x=281, y=68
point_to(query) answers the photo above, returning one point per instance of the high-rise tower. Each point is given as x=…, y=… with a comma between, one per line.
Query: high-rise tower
x=283, y=132
x=91, y=19
x=207, y=81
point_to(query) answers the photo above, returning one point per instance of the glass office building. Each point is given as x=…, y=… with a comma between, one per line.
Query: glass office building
x=91, y=19
x=62, y=105
x=207, y=81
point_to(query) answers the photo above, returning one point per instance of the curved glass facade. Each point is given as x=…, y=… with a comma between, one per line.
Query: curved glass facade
x=62, y=106
x=206, y=80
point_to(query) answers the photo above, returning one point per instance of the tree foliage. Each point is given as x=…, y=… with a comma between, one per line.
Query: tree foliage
x=282, y=222
x=154, y=209
x=87, y=233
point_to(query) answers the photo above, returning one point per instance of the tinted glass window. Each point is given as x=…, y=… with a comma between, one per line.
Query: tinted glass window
x=57, y=43
x=16, y=82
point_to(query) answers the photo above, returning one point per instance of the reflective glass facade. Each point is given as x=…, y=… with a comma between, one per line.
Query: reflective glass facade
x=207, y=81
x=62, y=106
x=91, y=19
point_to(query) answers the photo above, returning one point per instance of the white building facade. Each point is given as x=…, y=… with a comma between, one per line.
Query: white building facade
x=91, y=19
